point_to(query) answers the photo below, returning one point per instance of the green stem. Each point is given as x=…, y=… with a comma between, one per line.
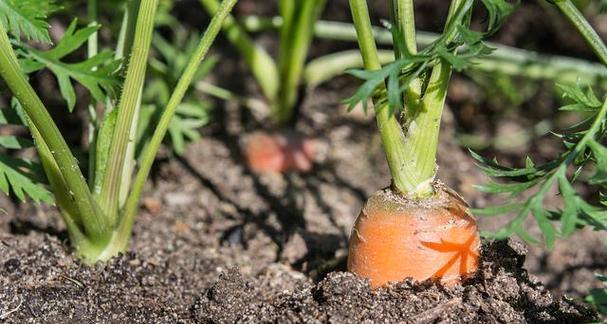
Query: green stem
x=93, y=49
x=132, y=203
x=286, y=8
x=503, y=61
x=597, y=124
x=227, y=95
x=331, y=30
x=63, y=199
x=125, y=44
x=581, y=24
x=424, y=128
x=331, y=65
x=404, y=17
x=296, y=36
x=93, y=42
x=127, y=29
x=389, y=128
x=262, y=65
x=110, y=191
x=95, y=224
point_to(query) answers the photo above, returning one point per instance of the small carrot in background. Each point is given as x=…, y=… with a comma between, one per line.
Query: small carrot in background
x=279, y=152
x=280, y=81
x=416, y=228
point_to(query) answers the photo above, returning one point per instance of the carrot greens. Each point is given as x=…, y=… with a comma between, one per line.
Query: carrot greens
x=409, y=93
x=280, y=79
x=584, y=160
x=99, y=211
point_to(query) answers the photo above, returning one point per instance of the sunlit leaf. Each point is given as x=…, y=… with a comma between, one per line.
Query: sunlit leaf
x=99, y=74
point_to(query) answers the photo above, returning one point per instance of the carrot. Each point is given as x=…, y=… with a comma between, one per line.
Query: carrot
x=279, y=152
x=396, y=238
x=418, y=228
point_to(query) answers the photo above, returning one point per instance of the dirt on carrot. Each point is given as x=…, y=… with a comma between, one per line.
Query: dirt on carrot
x=396, y=238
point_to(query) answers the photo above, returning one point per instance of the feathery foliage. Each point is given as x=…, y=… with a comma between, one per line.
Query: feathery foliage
x=584, y=160
x=27, y=18
x=99, y=74
x=20, y=176
x=456, y=46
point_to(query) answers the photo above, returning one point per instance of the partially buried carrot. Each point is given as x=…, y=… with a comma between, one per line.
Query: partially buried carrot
x=417, y=228
x=279, y=152
x=396, y=238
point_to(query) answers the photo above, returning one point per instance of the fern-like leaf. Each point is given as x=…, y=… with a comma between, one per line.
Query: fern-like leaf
x=27, y=18
x=583, y=149
x=23, y=178
x=457, y=46
x=99, y=74
x=19, y=176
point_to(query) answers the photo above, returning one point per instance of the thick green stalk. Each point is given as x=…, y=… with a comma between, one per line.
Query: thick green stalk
x=423, y=130
x=63, y=199
x=93, y=42
x=389, y=128
x=127, y=109
x=128, y=217
x=262, y=65
x=403, y=16
x=96, y=226
x=93, y=49
x=295, y=42
x=125, y=43
x=287, y=9
x=123, y=47
x=581, y=24
x=127, y=29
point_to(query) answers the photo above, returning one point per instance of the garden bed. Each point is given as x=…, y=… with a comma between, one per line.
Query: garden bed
x=215, y=242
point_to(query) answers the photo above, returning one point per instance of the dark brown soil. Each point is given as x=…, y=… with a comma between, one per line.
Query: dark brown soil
x=501, y=293
x=216, y=243
x=192, y=285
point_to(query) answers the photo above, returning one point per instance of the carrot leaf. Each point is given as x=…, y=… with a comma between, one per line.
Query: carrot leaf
x=458, y=46
x=27, y=18
x=99, y=74
x=529, y=186
x=598, y=296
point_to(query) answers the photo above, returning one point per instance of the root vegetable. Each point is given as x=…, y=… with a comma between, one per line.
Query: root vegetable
x=279, y=152
x=395, y=238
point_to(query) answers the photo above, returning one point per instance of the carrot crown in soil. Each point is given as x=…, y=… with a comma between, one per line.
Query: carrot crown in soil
x=409, y=93
x=99, y=214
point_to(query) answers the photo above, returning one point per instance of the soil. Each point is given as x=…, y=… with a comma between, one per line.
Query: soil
x=217, y=243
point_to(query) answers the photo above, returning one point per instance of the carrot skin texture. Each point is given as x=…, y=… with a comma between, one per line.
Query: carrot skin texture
x=394, y=239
